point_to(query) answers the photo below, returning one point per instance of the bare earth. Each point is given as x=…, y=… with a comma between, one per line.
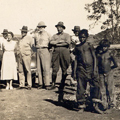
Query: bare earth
x=43, y=105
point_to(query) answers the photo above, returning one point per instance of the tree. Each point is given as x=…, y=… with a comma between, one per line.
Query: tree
x=109, y=10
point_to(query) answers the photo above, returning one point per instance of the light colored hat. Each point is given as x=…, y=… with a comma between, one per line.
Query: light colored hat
x=41, y=24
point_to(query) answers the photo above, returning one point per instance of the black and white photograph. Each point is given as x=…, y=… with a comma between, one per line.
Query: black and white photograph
x=60, y=60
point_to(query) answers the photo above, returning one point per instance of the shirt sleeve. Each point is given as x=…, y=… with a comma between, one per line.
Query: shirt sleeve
x=49, y=37
x=32, y=43
x=68, y=39
x=52, y=40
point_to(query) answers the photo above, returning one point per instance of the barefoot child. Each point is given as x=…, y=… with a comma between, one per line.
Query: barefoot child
x=86, y=71
x=105, y=60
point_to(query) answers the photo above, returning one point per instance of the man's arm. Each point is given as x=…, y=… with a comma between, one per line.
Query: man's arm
x=32, y=44
x=53, y=41
x=64, y=42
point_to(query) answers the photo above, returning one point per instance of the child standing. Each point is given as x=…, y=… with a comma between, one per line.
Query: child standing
x=105, y=60
x=86, y=71
x=74, y=41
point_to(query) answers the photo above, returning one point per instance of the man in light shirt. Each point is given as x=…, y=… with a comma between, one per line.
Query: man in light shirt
x=25, y=45
x=5, y=35
x=42, y=39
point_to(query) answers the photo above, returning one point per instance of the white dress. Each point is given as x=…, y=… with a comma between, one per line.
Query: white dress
x=9, y=65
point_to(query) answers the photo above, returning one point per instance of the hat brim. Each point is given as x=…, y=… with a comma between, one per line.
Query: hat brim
x=42, y=26
x=75, y=30
x=24, y=30
x=60, y=26
x=5, y=33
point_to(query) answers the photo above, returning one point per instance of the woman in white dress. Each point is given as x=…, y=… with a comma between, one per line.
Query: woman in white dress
x=9, y=65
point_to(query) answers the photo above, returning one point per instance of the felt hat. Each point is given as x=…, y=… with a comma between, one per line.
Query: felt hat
x=76, y=28
x=60, y=24
x=24, y=29
x=5, y=31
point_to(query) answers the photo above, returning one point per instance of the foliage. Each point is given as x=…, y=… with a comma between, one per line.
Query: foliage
x=109, y=10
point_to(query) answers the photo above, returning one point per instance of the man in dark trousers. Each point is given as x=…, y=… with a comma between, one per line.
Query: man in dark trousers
x=4, y=38
x=60, y=56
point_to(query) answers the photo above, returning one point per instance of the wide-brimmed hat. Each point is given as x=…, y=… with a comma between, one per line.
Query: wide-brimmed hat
x=41, y=24
x=24, y=29
x=5, y=31
x=76, y=28
x=60, y=24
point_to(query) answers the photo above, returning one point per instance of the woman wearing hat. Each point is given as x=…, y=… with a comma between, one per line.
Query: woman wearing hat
x=9, y=66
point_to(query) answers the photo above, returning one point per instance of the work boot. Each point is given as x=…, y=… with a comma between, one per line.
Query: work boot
x=53, y=82
x=52, y=87
x=40, y=87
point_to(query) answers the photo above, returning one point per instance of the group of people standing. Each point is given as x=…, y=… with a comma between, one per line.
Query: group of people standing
x=88, y=64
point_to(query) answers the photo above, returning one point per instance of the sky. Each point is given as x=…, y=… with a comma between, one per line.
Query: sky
x=16, y=13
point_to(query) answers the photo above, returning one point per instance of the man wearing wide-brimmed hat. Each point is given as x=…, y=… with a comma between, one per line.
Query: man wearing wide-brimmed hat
x=5, y=33
x=42, y=39
x=74, y=41
x=4, y=38
x=60, y=57
x=25, y=48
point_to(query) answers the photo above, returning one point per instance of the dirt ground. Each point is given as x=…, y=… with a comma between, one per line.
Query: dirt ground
x=42, y=104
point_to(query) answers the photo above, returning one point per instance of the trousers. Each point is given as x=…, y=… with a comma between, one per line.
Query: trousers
x=82, y=78
x=24, y=63
x=43, y=66
x=60, y=57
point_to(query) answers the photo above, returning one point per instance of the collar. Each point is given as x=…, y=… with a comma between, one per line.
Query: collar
x=42, y=32
x=60, y=33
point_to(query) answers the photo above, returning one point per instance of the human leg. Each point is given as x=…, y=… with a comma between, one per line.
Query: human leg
x=21, y=73
x=73, y=76
x=55, y=67
x=81, y=88
x=64, y=63
x=45, y=61
x=96, y=94
x=27, y=62
x=103, y=90
x=8, y=85
x=11, y=87
x=39, y=70
x=110, y=89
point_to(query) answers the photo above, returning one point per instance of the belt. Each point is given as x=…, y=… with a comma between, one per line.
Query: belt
x=9, y=50
x=61, y=46
x=43, y=47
